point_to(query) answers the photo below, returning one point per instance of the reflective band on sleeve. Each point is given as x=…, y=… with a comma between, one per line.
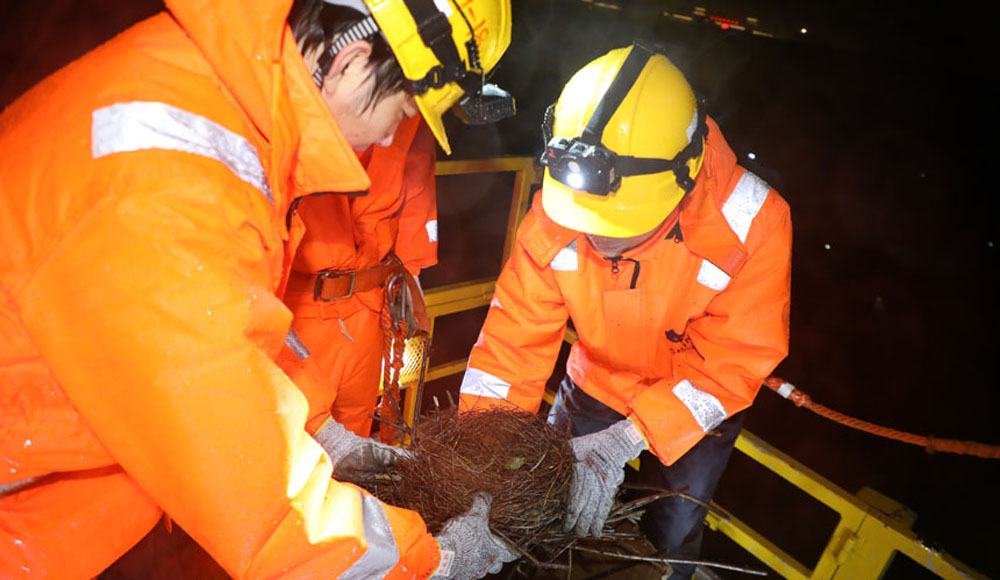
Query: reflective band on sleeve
x=482, y=384
x=712, y=276
x=566, y=260
x=786, y=389
x=706, y=409
x=382, y=554
x=139, y=125
x=744, y=203
x=293, y=342
x=432, y=230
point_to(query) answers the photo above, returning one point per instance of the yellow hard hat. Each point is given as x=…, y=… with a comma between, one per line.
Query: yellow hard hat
x=445, y=48
x=627, y=140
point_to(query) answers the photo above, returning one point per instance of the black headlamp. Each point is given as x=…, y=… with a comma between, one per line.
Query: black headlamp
x=487, y=105
x=482, y=102
x=583, y=163
x=581, y=166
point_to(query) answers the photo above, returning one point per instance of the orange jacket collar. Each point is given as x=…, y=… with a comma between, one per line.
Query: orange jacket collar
x=703, y=225
x=254, y=53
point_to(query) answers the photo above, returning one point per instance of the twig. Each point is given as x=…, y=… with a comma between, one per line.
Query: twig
x=674, y=561
x=622, y=567
x=661, y=492
x=419, y=399
x=403, y=428
x=534, y=561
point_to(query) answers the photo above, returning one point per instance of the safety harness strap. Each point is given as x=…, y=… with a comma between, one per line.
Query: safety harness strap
x=330, y=285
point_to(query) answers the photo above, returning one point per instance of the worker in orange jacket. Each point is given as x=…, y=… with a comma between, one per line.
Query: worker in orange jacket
x=148, y=214
x=672, y=263
x=337, y=287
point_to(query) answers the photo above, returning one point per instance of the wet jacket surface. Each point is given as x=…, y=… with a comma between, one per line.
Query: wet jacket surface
x=145, y=215
x=677, y=333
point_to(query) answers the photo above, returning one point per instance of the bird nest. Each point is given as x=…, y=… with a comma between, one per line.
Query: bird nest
x=524, y=463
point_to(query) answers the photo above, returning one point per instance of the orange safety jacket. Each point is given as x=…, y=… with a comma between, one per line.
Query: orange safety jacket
x=342, y=338
x=677, y=334
x=147, y=221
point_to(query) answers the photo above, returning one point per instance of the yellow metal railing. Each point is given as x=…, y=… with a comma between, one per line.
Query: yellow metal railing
x=872, y=528
x=871, y=531
x=473, y=294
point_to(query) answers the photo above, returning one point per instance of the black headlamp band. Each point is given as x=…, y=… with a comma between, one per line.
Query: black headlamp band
x=626, y=165
x=619, y=88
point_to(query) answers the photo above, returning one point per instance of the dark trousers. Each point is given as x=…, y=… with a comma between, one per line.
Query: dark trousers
x=673, y=525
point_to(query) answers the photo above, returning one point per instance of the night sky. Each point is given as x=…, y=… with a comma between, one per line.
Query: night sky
x=877, y=126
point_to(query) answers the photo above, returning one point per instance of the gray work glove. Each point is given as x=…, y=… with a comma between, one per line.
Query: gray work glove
x=468, y=549
x=355, y=459
x=597, y=473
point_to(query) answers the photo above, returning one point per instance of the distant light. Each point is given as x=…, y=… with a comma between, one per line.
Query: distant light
x=989, y=244
x=724, y=26
x=803, y=30
x=826, y=246
x=751, y=155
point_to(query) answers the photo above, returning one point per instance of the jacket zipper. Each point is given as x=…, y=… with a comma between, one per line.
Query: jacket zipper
x=615, y=269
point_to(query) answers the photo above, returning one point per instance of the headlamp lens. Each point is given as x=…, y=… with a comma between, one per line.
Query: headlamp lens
x=581, y=166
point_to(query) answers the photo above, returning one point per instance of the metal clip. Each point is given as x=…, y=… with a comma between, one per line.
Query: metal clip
x=396, y=291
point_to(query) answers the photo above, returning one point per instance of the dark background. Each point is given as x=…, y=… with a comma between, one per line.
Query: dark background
x=877, y=126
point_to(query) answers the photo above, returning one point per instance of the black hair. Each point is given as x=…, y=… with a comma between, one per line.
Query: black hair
x=316, y=24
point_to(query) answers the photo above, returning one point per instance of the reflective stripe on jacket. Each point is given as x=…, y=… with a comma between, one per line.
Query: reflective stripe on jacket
x=678, y=333
x=144, y=215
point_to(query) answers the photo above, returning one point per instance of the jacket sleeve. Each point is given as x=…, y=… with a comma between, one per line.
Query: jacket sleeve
x=157, y=315
x=417, y=238
x=734, y=345
x=519, y=343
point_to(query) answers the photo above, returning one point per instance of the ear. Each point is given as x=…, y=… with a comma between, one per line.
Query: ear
x=354, y=56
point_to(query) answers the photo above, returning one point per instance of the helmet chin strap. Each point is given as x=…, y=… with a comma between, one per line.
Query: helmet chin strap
x=363, y=30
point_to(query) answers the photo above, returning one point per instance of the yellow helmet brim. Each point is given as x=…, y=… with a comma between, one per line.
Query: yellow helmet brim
x=491, y=23
x=433, y=105
x=587, y=213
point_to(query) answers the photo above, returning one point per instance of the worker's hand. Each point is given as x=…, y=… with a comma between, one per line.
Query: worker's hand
x=597, y=473
x=355, y=458
x=468, y=549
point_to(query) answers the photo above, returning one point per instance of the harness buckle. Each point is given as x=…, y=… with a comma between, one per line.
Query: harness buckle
x=321, y=278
